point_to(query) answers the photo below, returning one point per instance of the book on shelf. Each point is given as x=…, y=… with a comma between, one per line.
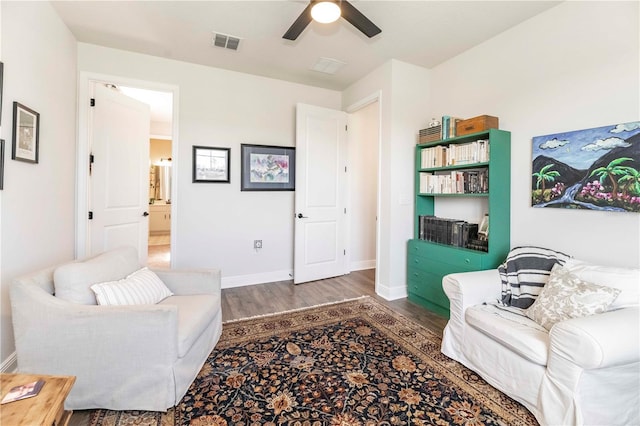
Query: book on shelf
x=454, y=182
x=455, y=154
x=27, y=390
x=449, y=126
x=453, y=232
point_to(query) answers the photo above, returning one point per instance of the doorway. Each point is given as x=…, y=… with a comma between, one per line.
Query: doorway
x=160, y=203
x=160, y=173
x=162, y=151
x=364, y=159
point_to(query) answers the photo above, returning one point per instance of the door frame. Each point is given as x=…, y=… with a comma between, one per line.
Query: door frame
x=85, y=81
x=367, y=100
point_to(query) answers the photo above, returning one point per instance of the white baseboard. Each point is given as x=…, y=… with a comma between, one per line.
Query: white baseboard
x=267, y=277
x=391, y=293
x=362, y=265
x=9, y=365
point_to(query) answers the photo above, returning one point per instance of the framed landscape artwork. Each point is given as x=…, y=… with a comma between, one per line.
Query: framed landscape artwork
x=594, y=169
x=267, y=168
x=26, y=134
x=211, y=164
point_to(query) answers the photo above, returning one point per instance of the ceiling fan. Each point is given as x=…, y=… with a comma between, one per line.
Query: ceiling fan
x=337, y=8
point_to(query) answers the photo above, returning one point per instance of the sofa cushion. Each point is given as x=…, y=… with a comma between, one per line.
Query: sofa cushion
x=195, y=314
x=143, y=287
x=566, y=296
x=525, y=272
x=72, y=281
x=512, y=329
x=625, y=279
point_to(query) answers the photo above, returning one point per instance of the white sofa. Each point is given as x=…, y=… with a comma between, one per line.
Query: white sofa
x=583, y=371
x=140, y=357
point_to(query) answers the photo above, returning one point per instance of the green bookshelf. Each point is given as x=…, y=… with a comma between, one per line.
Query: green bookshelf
x=428, y=262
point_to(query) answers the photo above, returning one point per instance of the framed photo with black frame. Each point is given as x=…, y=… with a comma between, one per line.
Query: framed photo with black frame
x=211, y=164
x=267, y=168
x=1, y=88
x=1, y=164
x=26, y=134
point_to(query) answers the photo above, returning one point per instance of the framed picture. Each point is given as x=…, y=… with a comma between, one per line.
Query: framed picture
x=1, y=164
x=26, y=130
x=268, y=168
x=483, y=229
x=211, y=164
x=589, y=169
x=1, y=85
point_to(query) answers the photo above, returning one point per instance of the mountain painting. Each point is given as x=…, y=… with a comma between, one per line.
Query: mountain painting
x=595, y=169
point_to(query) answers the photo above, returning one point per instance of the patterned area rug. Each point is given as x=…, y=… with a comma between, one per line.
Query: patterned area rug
x=351, y=363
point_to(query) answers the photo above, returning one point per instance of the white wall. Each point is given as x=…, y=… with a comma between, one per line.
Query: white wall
x=38, y=199
x=404, y=101
x=573, y=67
x=217, y=223
x=363, y=185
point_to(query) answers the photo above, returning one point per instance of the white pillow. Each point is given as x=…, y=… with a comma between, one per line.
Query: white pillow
x=566, y=296
x=73, y=280
x=625, y=279
x=143, y=287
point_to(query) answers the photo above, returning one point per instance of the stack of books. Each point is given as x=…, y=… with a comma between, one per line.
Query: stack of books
x=451, y=232
x=449, y=126
x=455, y=182
x=455, y=154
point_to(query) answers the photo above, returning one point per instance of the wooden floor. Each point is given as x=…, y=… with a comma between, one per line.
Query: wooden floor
x=243, y=302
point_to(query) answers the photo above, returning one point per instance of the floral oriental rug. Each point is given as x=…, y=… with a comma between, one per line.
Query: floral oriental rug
x=351, y=363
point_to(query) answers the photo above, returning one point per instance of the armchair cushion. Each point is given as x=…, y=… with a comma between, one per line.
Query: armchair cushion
x=566, y=296
x=193, y=317
x=143, y=287
x=73, y=281
x=512, y=329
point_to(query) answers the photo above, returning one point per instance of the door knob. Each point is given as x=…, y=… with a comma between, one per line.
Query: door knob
x=300, y=216
x=145, y=214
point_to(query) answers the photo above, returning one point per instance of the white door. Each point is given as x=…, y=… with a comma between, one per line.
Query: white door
x=119, y=180
x=320, y=214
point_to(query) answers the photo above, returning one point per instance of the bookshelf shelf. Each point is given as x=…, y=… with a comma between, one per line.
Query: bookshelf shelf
x=429, y=261
x=435, y=194
x=456, y=167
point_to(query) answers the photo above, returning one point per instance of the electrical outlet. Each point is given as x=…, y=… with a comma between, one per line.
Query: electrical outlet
x=257, y=244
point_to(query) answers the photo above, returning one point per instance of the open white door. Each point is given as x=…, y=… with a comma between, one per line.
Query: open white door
x=321, y=154
x=119, y=181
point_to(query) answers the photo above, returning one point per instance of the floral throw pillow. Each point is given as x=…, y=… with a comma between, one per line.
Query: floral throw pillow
x=566, y=296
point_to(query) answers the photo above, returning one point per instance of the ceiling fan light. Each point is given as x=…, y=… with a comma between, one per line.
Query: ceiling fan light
x=325, y=12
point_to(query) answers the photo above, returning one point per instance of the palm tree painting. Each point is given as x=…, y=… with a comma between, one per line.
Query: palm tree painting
x=594, y=169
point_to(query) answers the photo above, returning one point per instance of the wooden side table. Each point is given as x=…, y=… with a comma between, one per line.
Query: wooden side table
x=46, y=408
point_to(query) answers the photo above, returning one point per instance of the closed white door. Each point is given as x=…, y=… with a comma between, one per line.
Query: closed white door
x=119, y=180
x=320, y=212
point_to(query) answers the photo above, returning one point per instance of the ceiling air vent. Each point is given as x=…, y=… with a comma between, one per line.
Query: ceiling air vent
x=328, y=65
x=226, y=41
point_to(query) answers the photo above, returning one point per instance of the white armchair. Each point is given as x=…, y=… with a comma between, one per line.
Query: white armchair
x=583, y=371
x=141, y=357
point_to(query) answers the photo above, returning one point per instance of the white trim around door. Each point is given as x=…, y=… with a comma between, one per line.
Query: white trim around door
x=82, y=153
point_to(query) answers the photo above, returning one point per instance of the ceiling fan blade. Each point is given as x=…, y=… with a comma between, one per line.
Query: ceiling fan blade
x=300, y=24
x=358, y=20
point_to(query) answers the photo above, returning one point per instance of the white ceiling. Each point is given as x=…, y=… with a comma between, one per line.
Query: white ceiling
x=421, y=32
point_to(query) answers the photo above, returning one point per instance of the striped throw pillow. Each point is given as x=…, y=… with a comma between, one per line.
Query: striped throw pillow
x=142, y=287
x=525, y=272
